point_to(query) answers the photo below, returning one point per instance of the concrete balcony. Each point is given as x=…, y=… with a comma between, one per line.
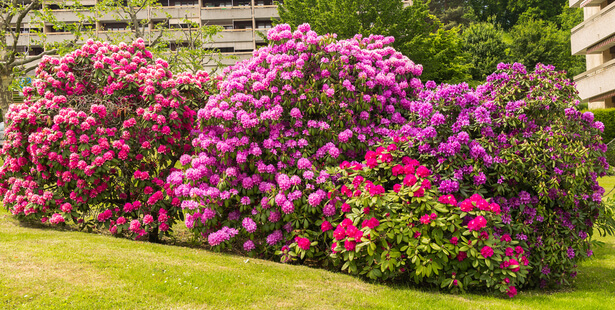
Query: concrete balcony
x=59, y=2
x=226, y=13
x=236, y=35
x=70, y=16
x=25, y=39
x=59, y=37
x=584, y=3
x=597, y=81
x=239, y=39
x=593, y=30
x=266, y=11
x=119, y=16
x=175, y=12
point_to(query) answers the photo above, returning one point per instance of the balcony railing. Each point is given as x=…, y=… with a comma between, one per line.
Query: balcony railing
x=597, y=81
x=593, y=30
x=584, y=3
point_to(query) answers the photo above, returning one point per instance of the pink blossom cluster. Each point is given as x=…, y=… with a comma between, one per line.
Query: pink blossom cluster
x=98, y=126
x=280, y=117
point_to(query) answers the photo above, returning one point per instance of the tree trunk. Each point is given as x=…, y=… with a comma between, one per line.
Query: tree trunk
x=153, y=236
x=6, y=95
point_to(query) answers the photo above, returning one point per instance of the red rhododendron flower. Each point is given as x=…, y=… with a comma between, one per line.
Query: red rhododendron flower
x=303, y=243
x=512, y=292
x=333, y=246
x=422, y=172
x=495, y=208
x=397, y=188
x=466, y=205
x=349, y=245
x=397, y=170
x=477, y=224
x=339, y=233
x=326, y=226
x=486, y=251
x=346, y=222
x=448, y=199
x=409, y=180
x=515, y=264
x=345, y=207
x=408, y=169
x=419, y=192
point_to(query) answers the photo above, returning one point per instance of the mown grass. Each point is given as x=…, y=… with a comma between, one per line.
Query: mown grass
x=609, y=184
x=44, y=268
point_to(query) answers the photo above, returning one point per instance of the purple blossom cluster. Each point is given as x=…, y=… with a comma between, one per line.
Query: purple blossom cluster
x=511, y=137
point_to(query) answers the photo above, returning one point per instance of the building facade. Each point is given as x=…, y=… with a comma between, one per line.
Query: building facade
x=595, y=38
x=241, y=20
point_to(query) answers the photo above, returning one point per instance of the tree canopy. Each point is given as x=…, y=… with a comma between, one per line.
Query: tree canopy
x=418, y=33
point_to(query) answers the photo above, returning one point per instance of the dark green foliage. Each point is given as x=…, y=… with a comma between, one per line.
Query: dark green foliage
x=453, y=13
x=506, y=13
x=486, y=45
x=418, y=34
x=540, y=41
x=607, y=117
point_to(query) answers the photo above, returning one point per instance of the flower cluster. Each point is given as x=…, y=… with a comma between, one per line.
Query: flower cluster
x=412, y=231
x=278, y=119
x=512, y=138
x=98, y=132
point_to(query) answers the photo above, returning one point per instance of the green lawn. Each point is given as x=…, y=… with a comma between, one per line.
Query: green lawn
x=608, y=183
x=52, y=269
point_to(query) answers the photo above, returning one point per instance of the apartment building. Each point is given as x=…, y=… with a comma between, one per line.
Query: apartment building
x=241, y=20
x=595, y=38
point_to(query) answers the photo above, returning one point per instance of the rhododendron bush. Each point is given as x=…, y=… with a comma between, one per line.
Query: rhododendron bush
x=302, y=103
x=398, y=226
x=321, y=150
x=97, y=136
x=518, y=139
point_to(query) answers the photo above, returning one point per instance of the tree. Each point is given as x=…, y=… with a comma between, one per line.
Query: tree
x=418, y=33
x=484, y=42
x=453, y=13
x=539, y=41
x=194, y=50
x=16, y=19
x=506, y=13
x=129, y=12
x=186, y=46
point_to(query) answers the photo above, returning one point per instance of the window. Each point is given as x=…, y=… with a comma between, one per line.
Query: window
x=115, y=26
x=184, y=2
x=263, y=24
x=243, y=25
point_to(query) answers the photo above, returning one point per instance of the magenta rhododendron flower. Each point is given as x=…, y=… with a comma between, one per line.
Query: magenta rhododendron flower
x=512, y=291
x=326, y=226
x=349, y=245
x=303, y=243
x=486, y=251
x=477, y=223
